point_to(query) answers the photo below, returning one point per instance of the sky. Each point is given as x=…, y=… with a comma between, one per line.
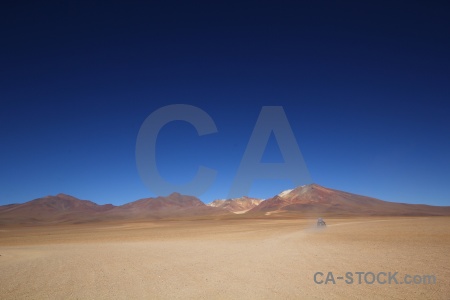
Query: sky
x=365, y=88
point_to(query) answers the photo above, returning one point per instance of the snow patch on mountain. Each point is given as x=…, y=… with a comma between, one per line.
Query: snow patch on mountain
x=284, y=193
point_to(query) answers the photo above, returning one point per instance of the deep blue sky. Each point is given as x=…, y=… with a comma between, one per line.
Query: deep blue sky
x=366, y=89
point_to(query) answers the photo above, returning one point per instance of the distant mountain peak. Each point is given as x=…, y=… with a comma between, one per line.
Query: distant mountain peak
x=237, y=205
x=61, y=207
x=65, y=196
x=174, y=194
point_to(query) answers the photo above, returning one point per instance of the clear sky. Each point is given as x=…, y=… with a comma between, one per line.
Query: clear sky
x=365, y=87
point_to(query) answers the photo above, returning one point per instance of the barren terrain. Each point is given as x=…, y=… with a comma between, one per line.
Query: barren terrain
x=269, y=258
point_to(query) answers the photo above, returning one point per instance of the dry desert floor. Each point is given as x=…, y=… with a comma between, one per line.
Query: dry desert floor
x=226, y=259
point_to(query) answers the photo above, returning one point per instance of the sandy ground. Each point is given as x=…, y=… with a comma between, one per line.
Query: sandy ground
x=234, y=259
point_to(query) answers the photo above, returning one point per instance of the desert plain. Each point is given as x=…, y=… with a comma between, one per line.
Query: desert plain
x=225, y=258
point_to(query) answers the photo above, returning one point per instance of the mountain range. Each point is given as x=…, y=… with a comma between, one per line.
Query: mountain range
x=309, y=201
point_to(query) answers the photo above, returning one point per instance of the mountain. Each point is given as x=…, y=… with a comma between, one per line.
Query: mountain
x=67, y=209
x=314, y=200
x=174, y=205
x=57, y=208
x=237, y=205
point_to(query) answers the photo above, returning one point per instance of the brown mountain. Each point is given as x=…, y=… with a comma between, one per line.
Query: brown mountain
x=59, y=208
x=174, y=205
x=237, y=205
x=65, y=208
x=314, y=200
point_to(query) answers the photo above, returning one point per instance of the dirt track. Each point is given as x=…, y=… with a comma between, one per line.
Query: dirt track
x=241, y=259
